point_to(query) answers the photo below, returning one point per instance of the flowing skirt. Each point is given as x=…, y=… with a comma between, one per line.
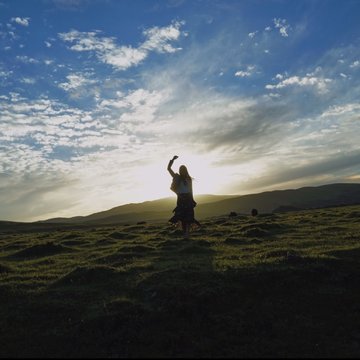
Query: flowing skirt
x=184, y=211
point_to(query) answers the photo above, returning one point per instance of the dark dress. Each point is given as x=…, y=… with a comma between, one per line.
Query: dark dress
x=184, y=211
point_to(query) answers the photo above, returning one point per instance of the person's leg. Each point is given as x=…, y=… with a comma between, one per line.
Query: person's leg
x=187, y=230
x=183, y=225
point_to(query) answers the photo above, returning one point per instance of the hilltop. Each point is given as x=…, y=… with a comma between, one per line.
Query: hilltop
x=216, y=205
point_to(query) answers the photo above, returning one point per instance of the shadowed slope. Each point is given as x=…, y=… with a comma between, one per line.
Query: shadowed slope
x=210, y=205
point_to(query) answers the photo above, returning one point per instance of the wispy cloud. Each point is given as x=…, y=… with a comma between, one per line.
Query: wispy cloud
x=26, y=59
x=122, y=57
x=252, y=34
x=21, y=21
x=27, y=80
x=320, y=84
x=283, y=26
x=337, y=110
x=75, y=81
x=246, y=73
x=355, y=64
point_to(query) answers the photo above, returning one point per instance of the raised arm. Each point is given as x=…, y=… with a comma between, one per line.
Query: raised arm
x=170, y=165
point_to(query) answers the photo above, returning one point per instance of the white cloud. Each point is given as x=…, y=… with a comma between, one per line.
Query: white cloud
x=21, y=21
x=5, y=74
x=283, y=27
x=26, y=80
x=26, y=59
x=123, y=57
x=75, y=81
x=337, y=110
x=88, y=41
x=159, y=38
x=321, y=84
x=246, y=73
x=355, y=64
x=242, y=73
x=252, y=34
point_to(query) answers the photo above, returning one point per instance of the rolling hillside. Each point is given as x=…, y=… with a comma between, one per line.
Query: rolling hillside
x=284, y=285
x=214, y=205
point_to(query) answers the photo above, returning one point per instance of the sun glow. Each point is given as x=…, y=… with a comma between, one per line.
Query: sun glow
x=154, y=180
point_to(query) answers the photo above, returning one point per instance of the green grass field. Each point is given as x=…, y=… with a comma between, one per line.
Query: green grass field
x=275, y=285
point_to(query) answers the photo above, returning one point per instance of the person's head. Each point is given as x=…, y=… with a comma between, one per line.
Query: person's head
x=184, y=172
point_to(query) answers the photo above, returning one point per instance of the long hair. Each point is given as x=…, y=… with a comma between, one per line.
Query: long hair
x=184, y=174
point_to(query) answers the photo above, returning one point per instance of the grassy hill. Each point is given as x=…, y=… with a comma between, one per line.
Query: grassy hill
x=149, y=210
x=214, y=205
x=275, y=285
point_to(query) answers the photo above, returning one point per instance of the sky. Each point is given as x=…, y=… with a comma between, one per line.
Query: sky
x=96, y=96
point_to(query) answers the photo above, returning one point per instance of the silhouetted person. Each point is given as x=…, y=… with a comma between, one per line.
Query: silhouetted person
x=182, y=186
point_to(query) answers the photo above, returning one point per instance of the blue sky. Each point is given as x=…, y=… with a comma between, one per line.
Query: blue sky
x=96, y=97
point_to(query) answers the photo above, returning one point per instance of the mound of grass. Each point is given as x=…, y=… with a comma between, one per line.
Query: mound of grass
x=122, y=235
x=231, y=240
x=255, y=232
x=71, y=236
x=74, y=243
x=87, y=276
x=41, y=250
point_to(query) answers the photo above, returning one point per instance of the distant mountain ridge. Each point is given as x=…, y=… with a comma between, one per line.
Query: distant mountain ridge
x=214, y=205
